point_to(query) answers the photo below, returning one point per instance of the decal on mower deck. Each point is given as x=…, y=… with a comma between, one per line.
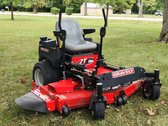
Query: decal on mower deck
x=124, y=72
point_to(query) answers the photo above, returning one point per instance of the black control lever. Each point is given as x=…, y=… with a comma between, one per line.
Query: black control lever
x=102, y=35
x=62, y=35
x=59, y=20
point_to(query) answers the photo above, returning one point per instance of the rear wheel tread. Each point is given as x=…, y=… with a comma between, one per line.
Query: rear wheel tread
x=48, y=73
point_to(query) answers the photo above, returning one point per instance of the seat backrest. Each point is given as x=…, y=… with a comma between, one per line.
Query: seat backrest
x=74, y=34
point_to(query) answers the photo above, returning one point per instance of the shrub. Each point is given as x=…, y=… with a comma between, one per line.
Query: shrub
x=55, y=10
x=69, y=10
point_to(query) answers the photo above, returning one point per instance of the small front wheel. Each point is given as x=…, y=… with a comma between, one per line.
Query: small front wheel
x=155, y=92
x=65, y=111
x=124, y=99
x=98, y=110
x=119, y=101
x=151, y=91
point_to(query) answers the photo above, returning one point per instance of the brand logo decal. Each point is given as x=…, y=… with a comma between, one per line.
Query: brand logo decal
x=124, y=72
x=85, y=61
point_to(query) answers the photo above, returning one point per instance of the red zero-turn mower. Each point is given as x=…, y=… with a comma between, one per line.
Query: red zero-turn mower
x=71, y=73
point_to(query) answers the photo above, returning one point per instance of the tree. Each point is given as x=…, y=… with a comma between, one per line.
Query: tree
x=85, y=12
x=159, y=4
x=11, y=3
x=164, y=32
x=122, y=5
x=36, y=4
x=57, y=3
x=1, y=3
x=140, y=6
x=118, y=5
x=75, y=4
x=150, y=6
x=128, y=4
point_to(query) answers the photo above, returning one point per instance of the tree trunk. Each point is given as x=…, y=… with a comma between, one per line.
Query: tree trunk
x=85, y=7
x=35, y=9
x=140, y=5
x=12, y=17
x=164, y=32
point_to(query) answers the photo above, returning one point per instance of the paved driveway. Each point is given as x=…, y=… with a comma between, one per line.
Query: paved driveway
x=87, y=17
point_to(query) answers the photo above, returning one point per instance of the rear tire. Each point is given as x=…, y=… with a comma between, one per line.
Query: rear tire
x=44, y=73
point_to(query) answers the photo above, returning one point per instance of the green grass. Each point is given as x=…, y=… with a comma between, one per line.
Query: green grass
x=128, y=43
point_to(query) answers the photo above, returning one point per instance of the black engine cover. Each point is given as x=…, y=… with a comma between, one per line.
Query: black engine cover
x=48, y=50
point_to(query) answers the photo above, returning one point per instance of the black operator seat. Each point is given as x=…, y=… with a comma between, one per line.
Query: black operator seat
x=74, y=41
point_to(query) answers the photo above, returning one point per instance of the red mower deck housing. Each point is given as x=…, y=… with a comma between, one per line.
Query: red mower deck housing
x=72, y=94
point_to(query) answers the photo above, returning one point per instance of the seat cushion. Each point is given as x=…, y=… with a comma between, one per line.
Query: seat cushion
x=81, y=47
x=74, y=37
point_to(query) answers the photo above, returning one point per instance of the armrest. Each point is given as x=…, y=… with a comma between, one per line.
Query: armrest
x=88, y=31
x=61, y=34
x=56, y=33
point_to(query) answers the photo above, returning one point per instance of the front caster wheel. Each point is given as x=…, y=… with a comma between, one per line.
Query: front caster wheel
x=124, y=98
x=151, y=91
x=119, y=101
x=98, y=110
x=65, y=111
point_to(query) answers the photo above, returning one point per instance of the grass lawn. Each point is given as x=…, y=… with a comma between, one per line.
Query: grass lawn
x=128, y=43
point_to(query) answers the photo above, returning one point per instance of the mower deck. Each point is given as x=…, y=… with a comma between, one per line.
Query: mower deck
x=72, y=94
x=77, y=97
